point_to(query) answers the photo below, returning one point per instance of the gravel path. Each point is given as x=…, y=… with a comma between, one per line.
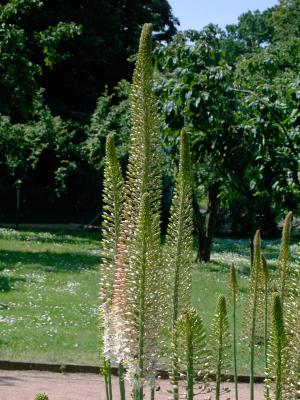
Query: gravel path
x=23, y=385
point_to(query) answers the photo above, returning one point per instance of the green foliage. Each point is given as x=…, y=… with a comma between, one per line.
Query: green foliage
x=286, y=20
x=99, y=55
x=19, y=64
x=243, y=110
x=268, y=83
x=36, y=37
x=51, y=37
x=112, y=115
x=253, y=30
x=220, y=342
x=41, y=396
x=193, y=84
x=23, y=146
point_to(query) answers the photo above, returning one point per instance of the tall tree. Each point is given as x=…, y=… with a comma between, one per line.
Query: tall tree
x=24, y=51
x=99, y=56
x=194, y=89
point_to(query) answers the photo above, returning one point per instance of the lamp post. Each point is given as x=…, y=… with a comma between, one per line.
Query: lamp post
x=18, y=187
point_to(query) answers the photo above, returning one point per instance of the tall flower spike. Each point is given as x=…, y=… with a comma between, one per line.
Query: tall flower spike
x=276, y=371
x=284, y=258
x=112, y=206
x=292, y=323
x=143, y=175
x=254, y=297
x=144, y=165
x=220, y=342
x=178, y=247
x=190, y=343
x=233, y=285
x=144, y=302
x=266, y=279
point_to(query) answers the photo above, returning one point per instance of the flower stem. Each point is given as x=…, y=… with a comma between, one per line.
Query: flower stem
x=121, y=381
x=107, y=379
x=152, y=392
x=234, y=348
x=190, y=368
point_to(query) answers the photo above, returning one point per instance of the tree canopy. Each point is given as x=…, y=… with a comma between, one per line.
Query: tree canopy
x=236, y=90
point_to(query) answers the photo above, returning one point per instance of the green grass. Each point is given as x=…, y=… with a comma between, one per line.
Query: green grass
x=49, y=292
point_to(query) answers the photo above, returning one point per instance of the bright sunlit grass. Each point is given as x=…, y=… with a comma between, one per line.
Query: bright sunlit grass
x=49, y=292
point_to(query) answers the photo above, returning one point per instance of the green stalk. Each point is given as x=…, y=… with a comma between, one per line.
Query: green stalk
x=107, y=379
x=235, y=350
x=121, y=381
x=219, y=321
x=220, y=341
x=255, y=273
x=278, y=333
x=106, y=382
x=190, y=366
x=266, y=334
x=144, y=226
x=112, y=201
x=180, y=240
x=142, y=316
x=234, y=288
x=175, y=373
x=219, y=368
x=135, y=394
x=191, y=346
x=152, y=392
x=175, y=370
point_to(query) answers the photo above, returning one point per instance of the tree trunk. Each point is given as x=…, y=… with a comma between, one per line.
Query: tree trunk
x=253, y=224
x=198, y=223
x=206, y=228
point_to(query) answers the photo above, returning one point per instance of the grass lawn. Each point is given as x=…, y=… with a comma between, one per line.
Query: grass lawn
x=49, y=292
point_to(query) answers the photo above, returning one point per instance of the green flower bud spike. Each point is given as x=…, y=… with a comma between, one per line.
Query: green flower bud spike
x=234, y=291
x=220, y=342
x=178, y=248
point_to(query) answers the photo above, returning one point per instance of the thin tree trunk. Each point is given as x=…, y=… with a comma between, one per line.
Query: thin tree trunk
x=198, y=225
x=210, y=221
x=253, y=224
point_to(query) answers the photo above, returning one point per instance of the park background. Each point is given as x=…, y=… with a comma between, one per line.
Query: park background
x=65, y=69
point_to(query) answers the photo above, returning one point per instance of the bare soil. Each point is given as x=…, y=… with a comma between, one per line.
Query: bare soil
x=24, y=385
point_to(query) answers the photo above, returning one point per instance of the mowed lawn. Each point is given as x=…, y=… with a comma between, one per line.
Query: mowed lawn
x=49, y=292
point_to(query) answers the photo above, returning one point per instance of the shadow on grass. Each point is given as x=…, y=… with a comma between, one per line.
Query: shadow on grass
x=50, y=262
x=7, y=283
x=217, y=266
